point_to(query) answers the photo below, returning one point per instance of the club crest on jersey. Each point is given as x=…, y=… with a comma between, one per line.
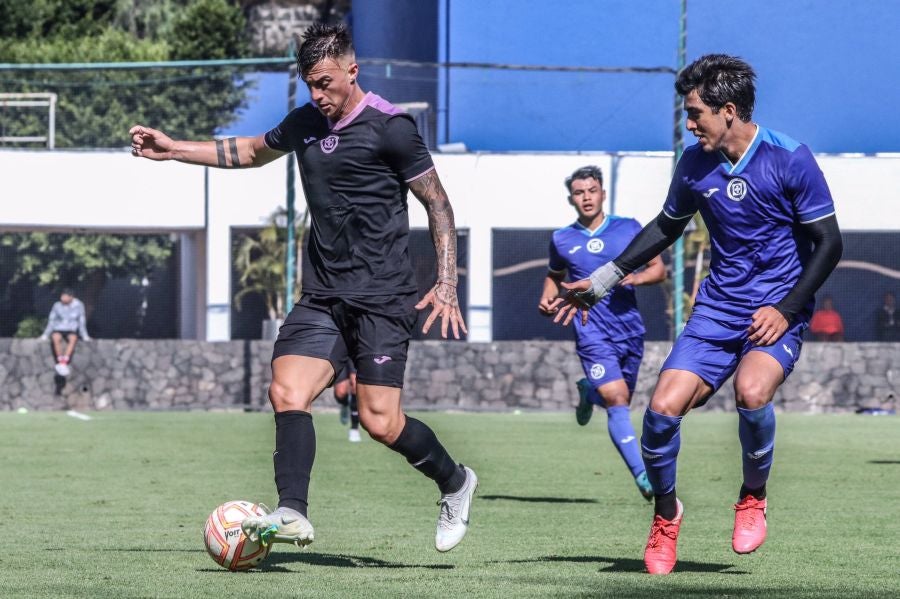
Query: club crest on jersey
x=329, y=144
x=737, y=189
x=595, y=246
x=597, y=371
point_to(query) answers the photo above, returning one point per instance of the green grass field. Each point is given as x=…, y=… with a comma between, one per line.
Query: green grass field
x=114, y=507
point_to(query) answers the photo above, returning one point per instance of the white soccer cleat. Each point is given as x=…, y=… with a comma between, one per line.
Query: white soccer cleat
x=353, y=435
x=284, y=525
x=453, y=521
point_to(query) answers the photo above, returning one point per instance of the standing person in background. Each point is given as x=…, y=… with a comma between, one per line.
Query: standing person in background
x=67, y=321
x=826, y=323
x=887, y=319
x=345, y=395
x=611, y=344
x=358, y=156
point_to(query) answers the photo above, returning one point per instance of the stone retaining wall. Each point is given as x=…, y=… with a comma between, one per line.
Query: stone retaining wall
x=532, y=375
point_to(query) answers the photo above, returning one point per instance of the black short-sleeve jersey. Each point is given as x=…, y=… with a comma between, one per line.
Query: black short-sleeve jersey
x=355, y=174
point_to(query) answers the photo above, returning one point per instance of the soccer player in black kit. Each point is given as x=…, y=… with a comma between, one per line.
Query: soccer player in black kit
x=358, y=156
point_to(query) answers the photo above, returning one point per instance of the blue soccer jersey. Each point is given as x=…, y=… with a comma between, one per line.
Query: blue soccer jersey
x=580, y=251
x=753, y=210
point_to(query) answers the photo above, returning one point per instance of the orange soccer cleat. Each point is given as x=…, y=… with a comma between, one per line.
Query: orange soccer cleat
x=660, y=554
x=749, y=524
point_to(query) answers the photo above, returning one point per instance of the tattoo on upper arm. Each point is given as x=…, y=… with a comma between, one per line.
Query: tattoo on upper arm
x=430, y=192
x=232, y=146
x=223, y=161
x=220, y=153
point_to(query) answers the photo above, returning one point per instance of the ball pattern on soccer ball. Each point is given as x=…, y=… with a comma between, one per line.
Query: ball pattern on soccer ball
x=226, y=543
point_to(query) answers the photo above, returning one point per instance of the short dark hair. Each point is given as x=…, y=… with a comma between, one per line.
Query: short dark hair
x=322, y=41
x=68, y=291
x=719, y=79
x=585, y=172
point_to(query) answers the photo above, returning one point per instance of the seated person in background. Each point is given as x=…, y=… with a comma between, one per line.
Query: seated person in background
x=67, y=320
x=887, y=320
x=826, y=323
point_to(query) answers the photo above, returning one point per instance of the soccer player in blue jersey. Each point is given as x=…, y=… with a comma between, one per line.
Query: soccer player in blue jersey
x=359, y=157
x=775, y=239
x=611, y=344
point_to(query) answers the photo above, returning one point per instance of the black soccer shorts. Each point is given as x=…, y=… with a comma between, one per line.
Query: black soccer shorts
x=374, y=332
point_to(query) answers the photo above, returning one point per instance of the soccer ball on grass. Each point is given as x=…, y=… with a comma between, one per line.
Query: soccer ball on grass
x=226, y=543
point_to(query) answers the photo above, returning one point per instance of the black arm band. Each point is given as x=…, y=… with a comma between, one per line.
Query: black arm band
x=659, y=234
x=827, y=250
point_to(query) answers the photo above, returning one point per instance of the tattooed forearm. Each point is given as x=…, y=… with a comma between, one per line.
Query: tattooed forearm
x=232, y=153
x=430, y=192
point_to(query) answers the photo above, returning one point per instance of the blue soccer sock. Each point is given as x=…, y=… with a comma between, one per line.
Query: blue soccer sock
x=660, y=443
x=756, y=429
x=622, y=434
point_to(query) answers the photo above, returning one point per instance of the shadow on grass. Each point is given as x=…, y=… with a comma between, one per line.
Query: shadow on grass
x=625, y=564
x=275, y=561
x=883, y=462
x=536, y=499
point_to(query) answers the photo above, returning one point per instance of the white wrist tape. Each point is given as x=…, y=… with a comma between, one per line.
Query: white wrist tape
x=603, y=280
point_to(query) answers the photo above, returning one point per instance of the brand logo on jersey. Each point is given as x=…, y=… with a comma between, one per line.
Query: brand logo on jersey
x=789, y=351
x=575, y=249
x=737, y=189
x=711, y=191
x=382, y=359
x=595, y=246
x=597, y=371
x=329, y=144
x=309, y=140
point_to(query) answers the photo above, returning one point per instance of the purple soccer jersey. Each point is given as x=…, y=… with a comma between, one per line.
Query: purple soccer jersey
x=580, y=252
x=753, y=210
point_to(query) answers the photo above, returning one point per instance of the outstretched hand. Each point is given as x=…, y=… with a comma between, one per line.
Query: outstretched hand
x=446, y=306
x=567, y=306
x=150, y=143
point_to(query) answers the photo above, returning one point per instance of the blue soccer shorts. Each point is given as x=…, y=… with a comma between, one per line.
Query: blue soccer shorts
x=712, y=349
x=605, y=361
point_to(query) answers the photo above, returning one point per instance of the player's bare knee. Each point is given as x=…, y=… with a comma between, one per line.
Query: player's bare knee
x=751, y=395
x=616, y=399
x=381, y=427
x=284, y=397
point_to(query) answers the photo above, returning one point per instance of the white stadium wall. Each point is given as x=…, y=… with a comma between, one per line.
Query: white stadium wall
x=112, y=191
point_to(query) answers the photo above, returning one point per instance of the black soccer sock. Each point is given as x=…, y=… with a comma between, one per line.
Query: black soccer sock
x=354, y=411
x=666, y=505
x=759, y=493
x=421, y=448
x=295, y=451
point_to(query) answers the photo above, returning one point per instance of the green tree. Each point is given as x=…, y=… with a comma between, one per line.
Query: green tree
x=96, y=107
x=260, y=262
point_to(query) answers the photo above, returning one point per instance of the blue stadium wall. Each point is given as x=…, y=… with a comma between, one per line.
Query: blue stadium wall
x=821, y=68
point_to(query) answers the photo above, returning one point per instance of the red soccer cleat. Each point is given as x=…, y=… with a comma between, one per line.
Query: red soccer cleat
x=660, y=554
x=749, y=524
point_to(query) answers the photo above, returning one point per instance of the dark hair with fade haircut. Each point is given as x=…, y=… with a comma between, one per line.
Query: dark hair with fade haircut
x=321, y=41
x=585, y=172
x=719, y=79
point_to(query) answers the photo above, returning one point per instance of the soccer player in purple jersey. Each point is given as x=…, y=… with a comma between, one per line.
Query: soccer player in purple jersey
x=775, y=239
x=358, y=157
x=611, y=344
